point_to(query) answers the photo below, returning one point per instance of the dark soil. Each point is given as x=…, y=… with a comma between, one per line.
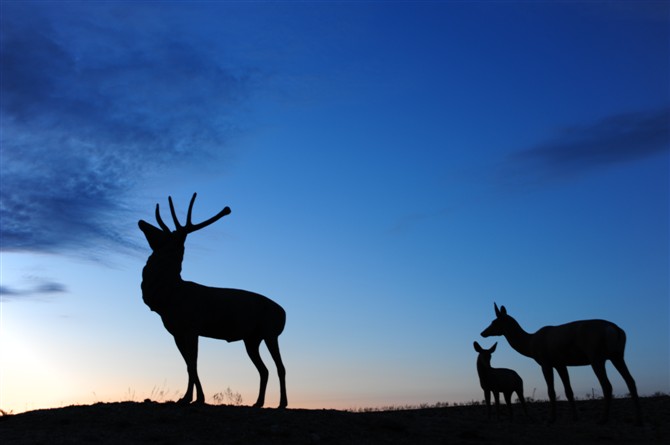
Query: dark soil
x=167, y=423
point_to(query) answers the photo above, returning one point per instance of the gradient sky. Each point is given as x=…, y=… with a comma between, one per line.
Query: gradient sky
x=392, y=168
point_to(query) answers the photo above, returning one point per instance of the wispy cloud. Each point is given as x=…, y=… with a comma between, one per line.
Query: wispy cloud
x=40, y=288
x=92, y=105
x=577, y=150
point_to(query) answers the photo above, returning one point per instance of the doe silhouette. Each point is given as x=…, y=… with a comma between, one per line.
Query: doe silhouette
x=498, y=380
x=580, y=343
x=190, y=310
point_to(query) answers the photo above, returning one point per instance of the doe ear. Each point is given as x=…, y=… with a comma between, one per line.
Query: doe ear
x=495, y=306
x=477, y=347
x=503, y=310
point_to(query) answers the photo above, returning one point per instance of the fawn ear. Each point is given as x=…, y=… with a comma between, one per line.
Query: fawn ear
x=155, y=236
x=493, y=348
x=477, y=347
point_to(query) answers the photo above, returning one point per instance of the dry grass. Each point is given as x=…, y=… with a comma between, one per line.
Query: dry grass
x=168, y=423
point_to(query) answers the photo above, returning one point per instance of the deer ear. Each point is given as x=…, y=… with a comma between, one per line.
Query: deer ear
x=477, y=347
x=503, y=310
x=493, y=348
x=155, y=236
x=495, y=306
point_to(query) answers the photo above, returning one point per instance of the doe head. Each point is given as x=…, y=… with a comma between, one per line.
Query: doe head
x=485, y=354
x=498, y=325
x=163, y=237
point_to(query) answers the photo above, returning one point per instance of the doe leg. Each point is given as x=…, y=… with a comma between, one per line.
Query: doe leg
x=496, y=397
x=487, y=398
x=548, y=373
x=601, y=373
x=620, y=366
x=565, y=378
x=519, y=394
x=508, y=401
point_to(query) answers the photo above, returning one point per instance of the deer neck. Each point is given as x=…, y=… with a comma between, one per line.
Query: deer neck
x=482, y=369
x=161, y=276
x=518, y=339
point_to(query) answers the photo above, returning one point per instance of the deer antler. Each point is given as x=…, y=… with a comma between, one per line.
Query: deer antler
x=178, y=227
x=160, y=220
x=189, y=227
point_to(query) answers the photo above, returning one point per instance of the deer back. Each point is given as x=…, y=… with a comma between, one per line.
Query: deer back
x=223, y=313
x=577, y=343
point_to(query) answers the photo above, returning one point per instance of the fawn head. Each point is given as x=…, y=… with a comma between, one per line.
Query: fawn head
x=485, y=354
x=164, y=238
x=499, y=325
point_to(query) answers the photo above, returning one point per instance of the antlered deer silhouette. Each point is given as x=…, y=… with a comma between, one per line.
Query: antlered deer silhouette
x=498, y=380
x=190, y=310
x=580, y=343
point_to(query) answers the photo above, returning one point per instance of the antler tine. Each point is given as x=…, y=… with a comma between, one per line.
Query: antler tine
x=174, y=215
x=160, y=220
x=190, y=209
x=221, y=214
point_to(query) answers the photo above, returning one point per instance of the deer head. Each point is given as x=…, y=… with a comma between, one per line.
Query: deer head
x=164, y=237
x=485, y=354
x=498, y=325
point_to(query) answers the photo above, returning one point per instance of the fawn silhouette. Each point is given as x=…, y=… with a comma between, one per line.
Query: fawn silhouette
x=580, y=343
x=190, y=310
x=498, y=380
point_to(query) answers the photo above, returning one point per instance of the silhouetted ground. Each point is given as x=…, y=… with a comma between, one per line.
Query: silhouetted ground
x=167, y=423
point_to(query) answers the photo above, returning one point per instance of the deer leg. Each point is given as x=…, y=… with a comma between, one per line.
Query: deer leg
x=519, y=394
x=188, y=346
x=548, y=373
x=496, y=397
x=508, y=401
x=487, y=397
x=252, y=350
x=273, y=346
x=620, y=366
x=565, y=378
x=601, y=373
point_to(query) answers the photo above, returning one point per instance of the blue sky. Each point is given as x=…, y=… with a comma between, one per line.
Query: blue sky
x=392, y=170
